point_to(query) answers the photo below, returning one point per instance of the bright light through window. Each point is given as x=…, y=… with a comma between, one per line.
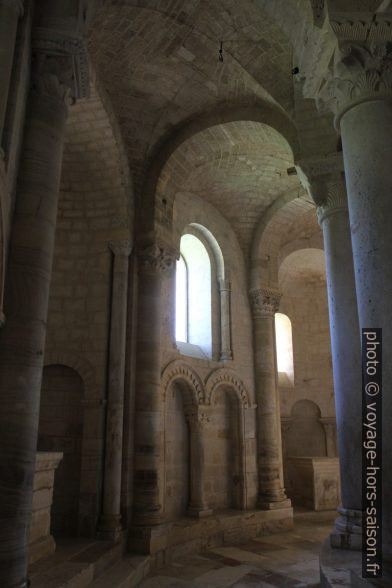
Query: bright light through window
x=284, y=345
x=181, y=301
x=193, y=294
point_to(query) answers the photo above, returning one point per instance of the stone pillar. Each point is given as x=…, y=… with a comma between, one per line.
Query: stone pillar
x=265, y=303
x=329, y=192
x=154, y=260
x=110, y=521
x=198, y=421
x=22, y=340
x=10, y=11
x=359, y=90
x=224, y=293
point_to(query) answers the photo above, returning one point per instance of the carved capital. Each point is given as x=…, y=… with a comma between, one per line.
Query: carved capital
x=16, y=5
x=316, y=174
x=64, y=57
x=264, y=302
x=362, y=65
x=47, y=82
x=336, y=200
x=121, y=248
x=319, y=11
x=156, y=258
x=198, y=420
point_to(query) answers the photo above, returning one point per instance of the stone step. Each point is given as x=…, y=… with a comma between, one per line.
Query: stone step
x=126, y=573
x=75, y=566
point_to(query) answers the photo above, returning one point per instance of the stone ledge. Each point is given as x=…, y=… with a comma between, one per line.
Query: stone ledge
x=172, y=540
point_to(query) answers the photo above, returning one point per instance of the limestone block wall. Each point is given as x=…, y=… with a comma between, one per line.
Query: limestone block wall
x=304, y=301
x=95, y=207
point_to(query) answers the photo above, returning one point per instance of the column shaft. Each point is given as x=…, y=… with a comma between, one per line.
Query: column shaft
x=224, y=292
x=22, y=340
x=110, y=525
x=198, y=506
x=271, y=486
x=148, y=480
x=366, y=136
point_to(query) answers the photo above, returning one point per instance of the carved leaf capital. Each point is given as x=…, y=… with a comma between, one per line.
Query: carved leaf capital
x=264, y=302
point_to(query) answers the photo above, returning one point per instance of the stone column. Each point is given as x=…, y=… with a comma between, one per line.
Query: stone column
x=359, y=89
x=224, y=293
x=154, y=261
x=10, y=11
x=329, y=192
x=198, y=421
x=22, y=340
x=265, y=303
x=110, y=521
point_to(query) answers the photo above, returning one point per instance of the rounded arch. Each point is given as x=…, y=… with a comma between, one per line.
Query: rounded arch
x=226, y=377
x=215, y=248
x=305, y=408
x=266, y=238
x=262, y=112
x=179, y=371
x=80, y=366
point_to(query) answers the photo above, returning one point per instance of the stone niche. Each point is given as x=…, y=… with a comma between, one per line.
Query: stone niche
x=41, y=542
x=314, y=482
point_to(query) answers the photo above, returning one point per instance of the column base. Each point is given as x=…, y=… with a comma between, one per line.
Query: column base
x=109, y=528
x=347, y=533
x=265, y=504
x=199, y=513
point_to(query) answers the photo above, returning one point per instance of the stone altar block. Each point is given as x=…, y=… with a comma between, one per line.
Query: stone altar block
x=313, y=482
x=41, y=542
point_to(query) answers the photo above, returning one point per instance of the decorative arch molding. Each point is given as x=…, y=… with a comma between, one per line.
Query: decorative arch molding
x=226, y=377
x=82, y=367
x=261, y=112
x=178, y=370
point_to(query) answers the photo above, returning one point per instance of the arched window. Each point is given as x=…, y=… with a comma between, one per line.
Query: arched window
x=193, y=295
x=203, y=323
x=284, y=348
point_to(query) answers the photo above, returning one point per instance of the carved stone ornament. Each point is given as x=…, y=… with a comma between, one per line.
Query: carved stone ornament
x=336, y=201
x=121, y=248
x=316, y=174
x=362, y=67
x=65, y=57
x=47, y=80
x=16, y=5
x=198, y=420
x=264, y=302
x=155, y=258
x=318, y=7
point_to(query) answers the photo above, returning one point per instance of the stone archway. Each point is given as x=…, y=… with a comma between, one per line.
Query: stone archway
x=228, y=398
x=183, y=390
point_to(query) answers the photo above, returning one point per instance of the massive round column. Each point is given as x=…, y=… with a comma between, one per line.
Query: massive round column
x=154, y=261
x=265, y=303
x=22, y=340
x=346, y=358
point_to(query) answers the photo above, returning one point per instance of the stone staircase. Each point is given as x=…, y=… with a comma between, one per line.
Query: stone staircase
x=95, y=564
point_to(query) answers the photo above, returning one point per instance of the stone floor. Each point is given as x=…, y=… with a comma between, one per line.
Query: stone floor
x=288, y=559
